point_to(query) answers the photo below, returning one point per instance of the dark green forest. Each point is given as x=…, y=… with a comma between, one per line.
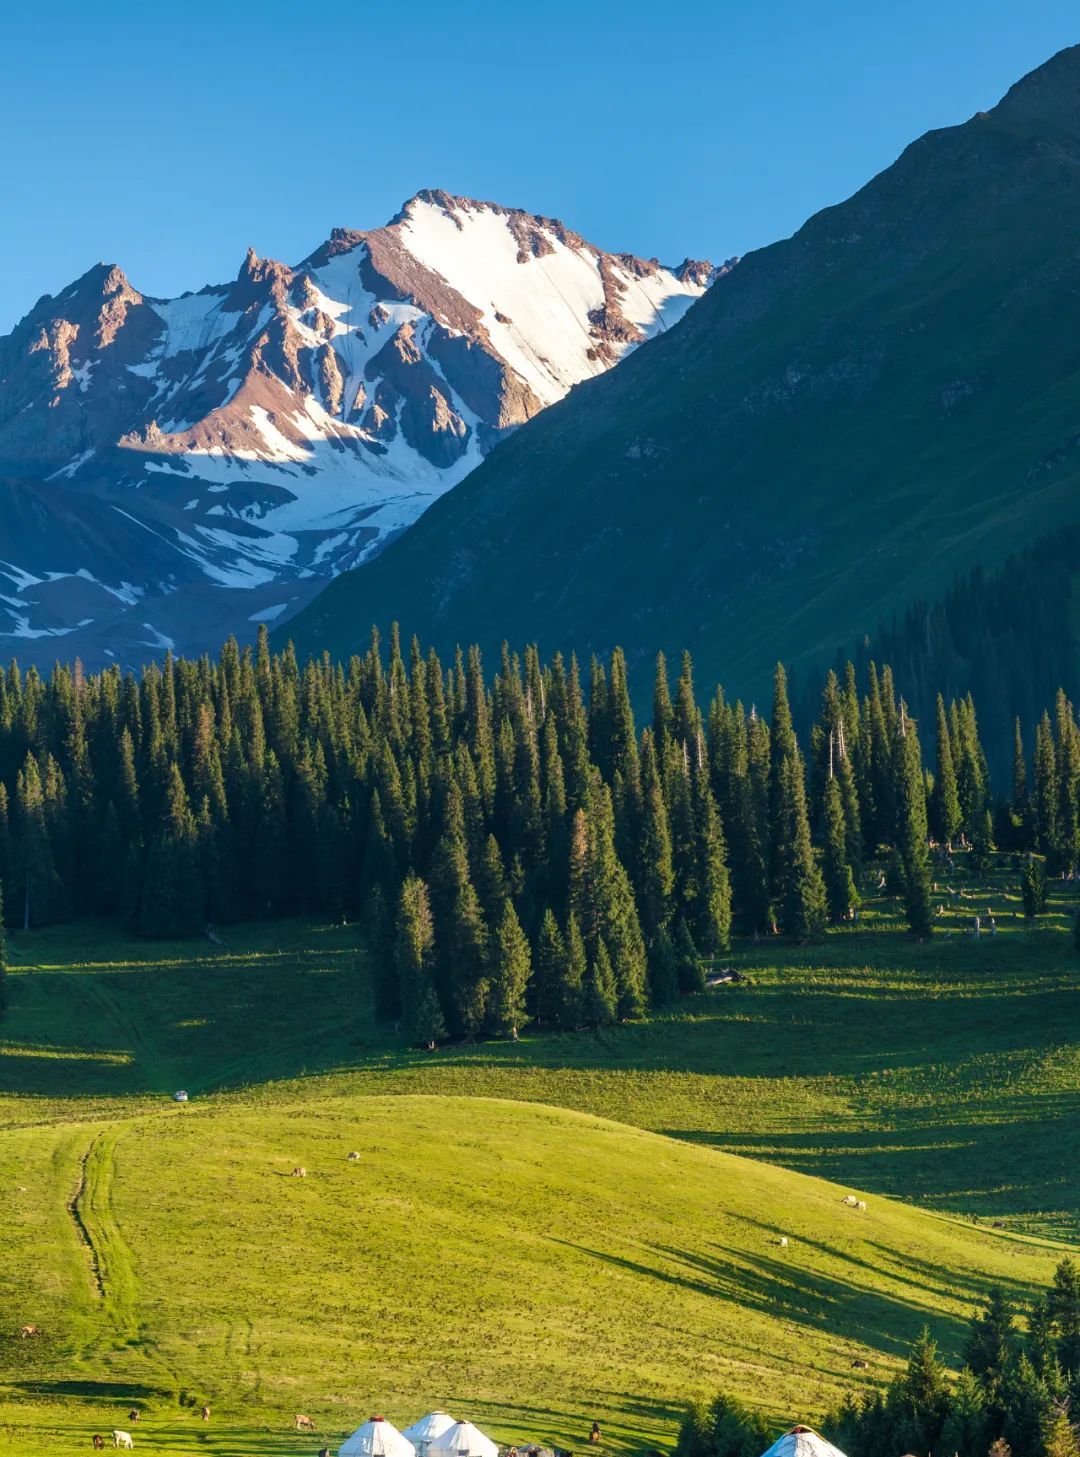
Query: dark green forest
x=1007, y=637
x=516, y=846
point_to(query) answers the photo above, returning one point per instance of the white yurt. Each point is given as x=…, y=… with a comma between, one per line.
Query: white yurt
x=377, y=1438
x=427, y=1430
x=462, y=1440
x=802, y=1442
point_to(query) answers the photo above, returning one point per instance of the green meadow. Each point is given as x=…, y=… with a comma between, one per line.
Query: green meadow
x=535, y=1234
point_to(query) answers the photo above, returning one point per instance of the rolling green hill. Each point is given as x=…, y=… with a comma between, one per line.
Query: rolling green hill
x=531, y=1267
x=844, y=423
x=536, y=1234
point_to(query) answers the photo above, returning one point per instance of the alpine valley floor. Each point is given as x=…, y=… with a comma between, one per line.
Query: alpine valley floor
x=535, y=1234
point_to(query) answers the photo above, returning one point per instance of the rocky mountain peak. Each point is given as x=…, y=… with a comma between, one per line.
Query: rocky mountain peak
x=269, y=432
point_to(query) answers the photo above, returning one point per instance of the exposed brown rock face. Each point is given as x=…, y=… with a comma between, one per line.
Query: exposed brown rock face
x=55, y=340
x=332, y=386
x=429, y=422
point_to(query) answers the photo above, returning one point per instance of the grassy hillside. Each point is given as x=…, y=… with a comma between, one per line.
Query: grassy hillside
x=530, y=1266
x=535, y=1234
x=844, y=423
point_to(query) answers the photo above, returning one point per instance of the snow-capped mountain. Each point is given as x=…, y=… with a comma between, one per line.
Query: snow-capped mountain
x=179, y=468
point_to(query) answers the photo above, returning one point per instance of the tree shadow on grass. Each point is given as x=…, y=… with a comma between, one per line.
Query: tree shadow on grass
x=982, y=1167
x=117, y=1390
x=781, y=1289
x=120, y=1032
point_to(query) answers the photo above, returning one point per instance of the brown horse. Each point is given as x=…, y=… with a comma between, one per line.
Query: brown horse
x=303, y=1423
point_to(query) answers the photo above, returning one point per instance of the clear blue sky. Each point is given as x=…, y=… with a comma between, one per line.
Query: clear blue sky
x=168, y=137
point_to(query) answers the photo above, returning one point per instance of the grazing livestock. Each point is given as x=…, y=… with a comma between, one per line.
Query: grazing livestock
x=324, y=1452
x=999, y=1224
x=861, y=1204
x=133, y=1414
x=849, y=1200
x=860, y=1365
x=783, y=1241
x=30, y=1330
x=205, y=1413
x=99, y=1442
x=122, y=1439
x=303, y=1423
x=299, y=1172
x=594, y=1435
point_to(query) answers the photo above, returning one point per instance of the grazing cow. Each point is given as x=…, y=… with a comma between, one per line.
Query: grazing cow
x=849, y=1200
x=861, y=1204
x=353, y=1157
x=205, y=1413
x=29, y=1330
x=324, y=1452
x=999, y=1224
x=299, y=1172
x=783, y=1241
x=133, y=1414
x=594, y=1435
x=122, y=1439
x=860, y=1365
x=99, y=1442
x=303, y=1423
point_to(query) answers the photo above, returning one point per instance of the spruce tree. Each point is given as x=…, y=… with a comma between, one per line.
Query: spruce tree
x=663, y=714
x=965, y=1428
x=573, y=990
x=549, y=970
x=1064, y=1302
x=1059, y=1433
x=925, y=1388
x=599, y=995
x=1021, y=804
x=1026, y=1401
x=945, y=801
x=801, y=887
x=711, y=909
x=656, y=873
x=462, y=937
x=839, y=883
x=1033, y=888
x=1045, y=803
x=783, y=749
x=415, y=958
x=992, y=1344
x=663, y=969
x=909, y=795
x=509, y=967
x=689, y=971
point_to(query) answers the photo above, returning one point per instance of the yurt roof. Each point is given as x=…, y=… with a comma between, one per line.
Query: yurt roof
x=429, y=1427
x=463, y=1437
x=802, y=1442
x=377, y=1438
